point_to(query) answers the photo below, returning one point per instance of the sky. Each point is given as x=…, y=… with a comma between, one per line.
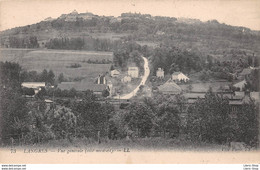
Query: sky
x=244, y=13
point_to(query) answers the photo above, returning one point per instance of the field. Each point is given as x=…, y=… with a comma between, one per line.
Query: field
x=59, y=61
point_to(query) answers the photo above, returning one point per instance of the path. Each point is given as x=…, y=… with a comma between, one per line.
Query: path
x=144, y=78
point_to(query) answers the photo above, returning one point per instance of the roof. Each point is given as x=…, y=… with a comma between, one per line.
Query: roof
x=176, y=73
x=240, y=93
x=115, y=71
x=33, y=84
x=82, y=86
x=235, y=102
x=246, y=71
x=48, y=101
x=240, y=84
x=170, y=86
x=132, y=68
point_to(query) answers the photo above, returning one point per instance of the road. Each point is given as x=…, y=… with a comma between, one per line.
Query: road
x=144, y=78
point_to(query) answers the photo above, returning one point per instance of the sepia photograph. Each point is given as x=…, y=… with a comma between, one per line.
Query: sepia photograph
x=129, y=81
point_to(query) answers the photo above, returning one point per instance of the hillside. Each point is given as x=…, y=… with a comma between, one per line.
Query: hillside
x=101, y=32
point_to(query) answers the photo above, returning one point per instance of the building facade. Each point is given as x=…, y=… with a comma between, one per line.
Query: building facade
x=160, y=73
x=133, y=72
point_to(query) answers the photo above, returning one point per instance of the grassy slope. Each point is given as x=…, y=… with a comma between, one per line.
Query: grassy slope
x=58, y=61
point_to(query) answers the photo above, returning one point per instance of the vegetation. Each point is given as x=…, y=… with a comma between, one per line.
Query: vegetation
x=33, y=76
x=209, y=120
x=26, y=42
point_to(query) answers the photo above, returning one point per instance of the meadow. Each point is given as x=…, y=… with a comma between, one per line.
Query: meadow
x=59, y=61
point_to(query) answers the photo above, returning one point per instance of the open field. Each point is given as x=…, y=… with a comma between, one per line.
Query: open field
x=59, y=61
x=13, y=54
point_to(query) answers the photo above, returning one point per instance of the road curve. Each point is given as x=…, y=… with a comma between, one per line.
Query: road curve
x=144, y=78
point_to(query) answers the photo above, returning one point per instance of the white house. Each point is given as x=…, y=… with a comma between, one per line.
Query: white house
x=133, y=72
x=114, y=73
x=160, y=73
x=34, y=85
x=179, y=76
x=126, y=79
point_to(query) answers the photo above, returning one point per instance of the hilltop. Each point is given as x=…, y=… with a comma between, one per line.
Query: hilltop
x=205, y=38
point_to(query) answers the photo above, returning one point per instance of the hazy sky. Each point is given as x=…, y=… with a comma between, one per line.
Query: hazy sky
x=245, y=13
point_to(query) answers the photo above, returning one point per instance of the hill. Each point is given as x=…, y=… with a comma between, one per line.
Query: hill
x=100, y=33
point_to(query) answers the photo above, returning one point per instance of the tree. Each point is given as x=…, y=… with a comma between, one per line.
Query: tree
x=190, y=87
x=168, y=120
x=248, y=124
x=64, y=122
x=105, y=93
x=208, y=119
x=10, y=75
x=28, y=91
x=51, y=77
x=139, y=119
x=61, y=78
x=44, y=76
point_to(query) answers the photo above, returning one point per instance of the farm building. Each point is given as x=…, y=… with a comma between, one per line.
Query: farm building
x=114, y=73
x=133, y=72
x=240, y=85
x=84, y=86
x=126, y=79
x=179, y=76
x=34, y=85
x=170, y=87
x=160, y=73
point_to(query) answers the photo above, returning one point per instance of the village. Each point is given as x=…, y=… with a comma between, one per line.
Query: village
x=104, y=80
x=117, y=84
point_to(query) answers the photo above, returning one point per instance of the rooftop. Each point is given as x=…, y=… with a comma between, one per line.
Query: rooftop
x=170, y=86
x=82, y=86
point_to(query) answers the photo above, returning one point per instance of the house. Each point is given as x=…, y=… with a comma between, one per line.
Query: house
x=114, y=73
x=34, y=85
x=126, y=79
x=84, y=86
x=133, y=72
x=179, y=76
x=255, y=96
x=160, y=73
x=170, y=87
x=86, y=16
x=240, y=85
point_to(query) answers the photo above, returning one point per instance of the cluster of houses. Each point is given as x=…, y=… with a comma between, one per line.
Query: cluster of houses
x=98, y=86
x=71, y=17
x=236, y=99
x=133, y=72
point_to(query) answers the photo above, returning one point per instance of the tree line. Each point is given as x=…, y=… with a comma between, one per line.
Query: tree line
x=17, y=42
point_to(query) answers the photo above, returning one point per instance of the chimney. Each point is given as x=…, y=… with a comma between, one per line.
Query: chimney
x=98, y=81
x=104, y=80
